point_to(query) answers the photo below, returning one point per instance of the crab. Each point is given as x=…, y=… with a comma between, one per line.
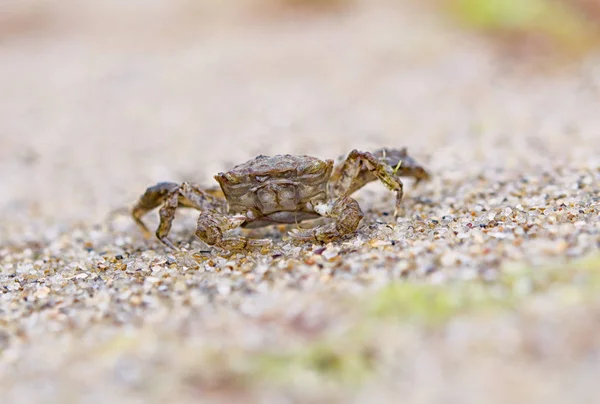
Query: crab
x=281, y=189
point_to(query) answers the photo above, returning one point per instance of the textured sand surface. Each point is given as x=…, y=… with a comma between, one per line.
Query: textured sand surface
x=96, y=108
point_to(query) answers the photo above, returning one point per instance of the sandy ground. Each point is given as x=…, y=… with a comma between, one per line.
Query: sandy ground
x=98, y=104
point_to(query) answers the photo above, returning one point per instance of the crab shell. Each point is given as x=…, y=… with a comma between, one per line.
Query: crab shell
x=276, y=189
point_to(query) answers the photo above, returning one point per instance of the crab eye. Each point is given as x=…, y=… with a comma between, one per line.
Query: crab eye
x=227, y=177
x=313, y=167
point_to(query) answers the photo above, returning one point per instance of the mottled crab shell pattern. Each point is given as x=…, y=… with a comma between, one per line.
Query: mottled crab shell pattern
x=270, y=184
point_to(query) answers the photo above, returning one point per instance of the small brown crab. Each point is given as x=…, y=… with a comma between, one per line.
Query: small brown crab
x=280, y=189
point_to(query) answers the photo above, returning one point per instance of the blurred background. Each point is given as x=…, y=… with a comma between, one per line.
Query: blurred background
x=101, y=99
x=499, y=99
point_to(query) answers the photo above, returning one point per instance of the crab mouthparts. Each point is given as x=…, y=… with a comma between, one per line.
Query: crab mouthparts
x=323, y=209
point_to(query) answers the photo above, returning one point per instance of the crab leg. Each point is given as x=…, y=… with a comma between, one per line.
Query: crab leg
x=361, y=168
x=152, y=198
x=212, y=226
x=171, y=196
x=347, y=215
x=167, y=214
